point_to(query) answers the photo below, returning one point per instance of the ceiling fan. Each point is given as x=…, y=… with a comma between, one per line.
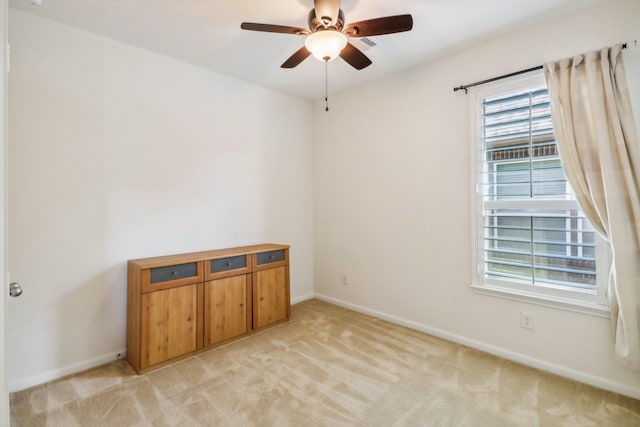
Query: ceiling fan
x=327, y=36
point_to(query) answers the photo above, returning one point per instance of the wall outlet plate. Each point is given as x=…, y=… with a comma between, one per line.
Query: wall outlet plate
x=345, y=280
x=527, y=321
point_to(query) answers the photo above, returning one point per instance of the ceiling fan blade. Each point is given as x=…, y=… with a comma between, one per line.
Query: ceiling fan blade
x=295, y=59
x=380, y=26
x=327, y=8
x=269, y=28
x=355, y=57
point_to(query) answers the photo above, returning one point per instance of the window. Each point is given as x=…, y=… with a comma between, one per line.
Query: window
x=533, y=240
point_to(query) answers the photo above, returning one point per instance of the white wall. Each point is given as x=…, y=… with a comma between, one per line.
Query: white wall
x=393, y=211
x=118, y=153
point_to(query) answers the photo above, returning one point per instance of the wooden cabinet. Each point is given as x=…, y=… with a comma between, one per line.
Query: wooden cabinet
x=271, y=288
x=225, y=306
x=271, y=295
x=180, y=304
x=169, y=323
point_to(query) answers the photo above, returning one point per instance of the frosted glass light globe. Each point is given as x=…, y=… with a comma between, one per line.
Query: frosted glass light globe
x=326, y=44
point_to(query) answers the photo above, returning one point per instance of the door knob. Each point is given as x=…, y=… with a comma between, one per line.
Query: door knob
x=15, y=290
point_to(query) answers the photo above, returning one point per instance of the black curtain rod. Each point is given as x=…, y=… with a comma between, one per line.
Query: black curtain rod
x=517, y=73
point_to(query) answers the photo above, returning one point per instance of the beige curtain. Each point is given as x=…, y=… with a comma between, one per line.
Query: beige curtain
x=600, y=154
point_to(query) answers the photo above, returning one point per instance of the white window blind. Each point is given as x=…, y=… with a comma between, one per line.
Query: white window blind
x=532, y=230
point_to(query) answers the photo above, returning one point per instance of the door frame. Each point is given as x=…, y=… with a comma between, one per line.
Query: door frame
x=4, y=393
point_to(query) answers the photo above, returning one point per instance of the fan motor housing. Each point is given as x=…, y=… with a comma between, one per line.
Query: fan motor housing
x=324, y=23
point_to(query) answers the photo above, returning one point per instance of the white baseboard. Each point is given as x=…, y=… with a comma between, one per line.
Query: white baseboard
x=497, y=351
x=91, y=363
x=562, y=371
x=296, y=300
x=88, y=364
x=64, y=371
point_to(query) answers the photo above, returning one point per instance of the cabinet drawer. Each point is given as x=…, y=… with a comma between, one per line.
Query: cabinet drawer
x=269, y=257
x=226, y=267
x=170, y=276
x=226, y=264
x=174, y=272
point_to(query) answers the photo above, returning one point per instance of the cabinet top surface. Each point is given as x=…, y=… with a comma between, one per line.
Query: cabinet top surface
x=204, y=255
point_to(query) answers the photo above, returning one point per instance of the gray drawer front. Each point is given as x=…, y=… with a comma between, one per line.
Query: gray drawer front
x=271, y=256
x=174, y=272
x=226, y=264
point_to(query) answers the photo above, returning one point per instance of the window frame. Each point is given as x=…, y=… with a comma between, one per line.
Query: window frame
x=553, y=296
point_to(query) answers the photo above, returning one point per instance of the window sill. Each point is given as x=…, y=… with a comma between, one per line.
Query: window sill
x=559, y=303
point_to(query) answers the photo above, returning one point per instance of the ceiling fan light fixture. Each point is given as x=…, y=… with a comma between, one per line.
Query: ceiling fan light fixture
x=326, y=44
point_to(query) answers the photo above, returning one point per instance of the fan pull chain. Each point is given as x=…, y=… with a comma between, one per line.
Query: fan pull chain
x=326, y=84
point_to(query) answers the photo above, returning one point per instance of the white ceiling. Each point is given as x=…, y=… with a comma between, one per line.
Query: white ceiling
x=207, y=33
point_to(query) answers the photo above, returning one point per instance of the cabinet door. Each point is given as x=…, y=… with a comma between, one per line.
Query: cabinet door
x=168, y=324
x=225, y=309
x=271, y=295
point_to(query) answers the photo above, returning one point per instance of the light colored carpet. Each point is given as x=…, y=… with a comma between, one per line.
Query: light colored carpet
x=326, y=367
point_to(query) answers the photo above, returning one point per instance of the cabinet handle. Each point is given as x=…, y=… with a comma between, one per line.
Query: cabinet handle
x=229, y=264
x=189, y=319
x=174, y=273
x=270, y=256
x=261, y=298
x=241, y=305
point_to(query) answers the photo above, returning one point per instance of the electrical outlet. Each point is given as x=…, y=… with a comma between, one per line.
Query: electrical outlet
x=527, y=321
x=345, y=280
